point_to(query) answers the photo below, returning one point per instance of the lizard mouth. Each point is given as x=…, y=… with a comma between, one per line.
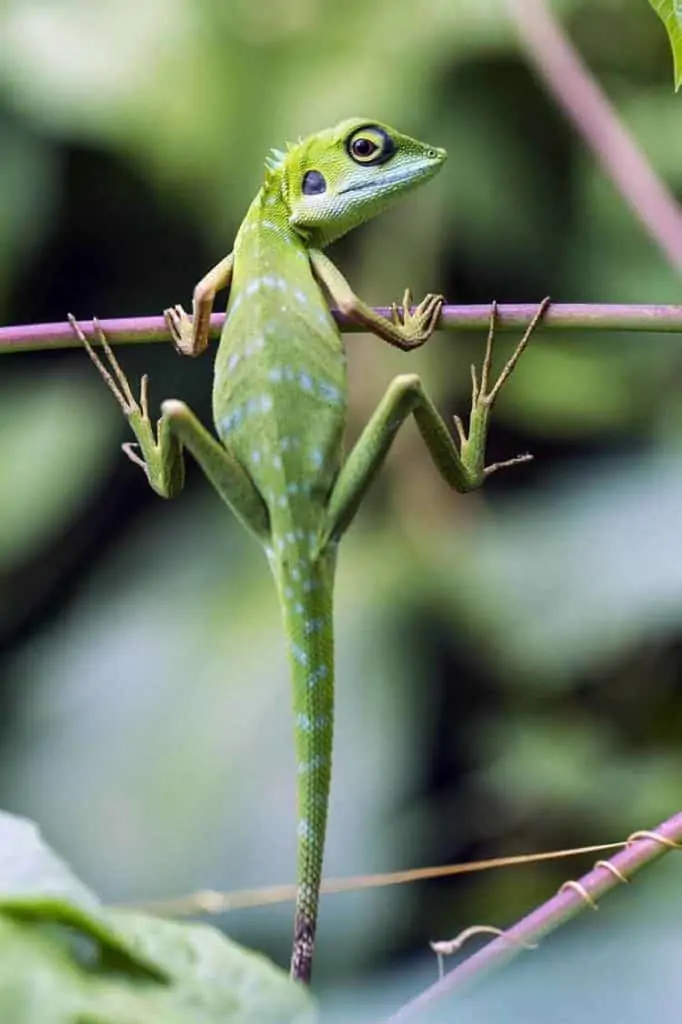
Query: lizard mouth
x=415, y=174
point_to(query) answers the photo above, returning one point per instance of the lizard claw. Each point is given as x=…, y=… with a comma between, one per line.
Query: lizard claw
x=181, y=329
x=113, y=376
x=525, y=457
x=417, y=325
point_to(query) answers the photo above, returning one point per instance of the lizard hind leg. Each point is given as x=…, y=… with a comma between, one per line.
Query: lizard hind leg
x=160, y=455
x=461, y=465
x=220, y=466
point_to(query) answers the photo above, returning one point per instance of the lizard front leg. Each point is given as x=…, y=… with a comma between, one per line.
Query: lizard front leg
x=462, y=468
x=160, y=455
x=190, y=334
x=406, y=330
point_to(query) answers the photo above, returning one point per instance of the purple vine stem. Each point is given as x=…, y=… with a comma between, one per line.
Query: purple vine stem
x=576, y=316
x=567, y=903
x=585, y=103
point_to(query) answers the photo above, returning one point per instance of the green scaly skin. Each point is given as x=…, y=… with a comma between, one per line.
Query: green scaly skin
x=279, y=403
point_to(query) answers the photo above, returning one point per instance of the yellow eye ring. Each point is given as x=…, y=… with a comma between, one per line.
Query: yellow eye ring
x=370, y=145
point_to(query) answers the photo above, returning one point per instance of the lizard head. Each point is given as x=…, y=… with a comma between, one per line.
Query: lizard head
x=336, y=179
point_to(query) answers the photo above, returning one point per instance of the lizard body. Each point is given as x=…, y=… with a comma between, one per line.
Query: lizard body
x=279, y=405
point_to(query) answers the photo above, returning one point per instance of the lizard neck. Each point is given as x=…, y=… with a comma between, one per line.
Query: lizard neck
x=267, y=225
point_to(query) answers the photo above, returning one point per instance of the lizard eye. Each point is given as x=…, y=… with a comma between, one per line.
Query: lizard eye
x=363, y=148
x=370, y=146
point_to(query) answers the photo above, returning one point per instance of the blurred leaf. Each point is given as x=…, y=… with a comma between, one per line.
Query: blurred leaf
x=28, y=866
x=214, y=977
x=191, y=973
x=670, y=13
x=37, y=886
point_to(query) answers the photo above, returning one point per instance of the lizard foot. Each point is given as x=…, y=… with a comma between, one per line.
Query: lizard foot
x=483, y=396
x=181, y=329
x=417, y=325
x=137, y=413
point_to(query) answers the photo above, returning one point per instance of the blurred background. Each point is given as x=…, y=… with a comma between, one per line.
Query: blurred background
x=509, y=662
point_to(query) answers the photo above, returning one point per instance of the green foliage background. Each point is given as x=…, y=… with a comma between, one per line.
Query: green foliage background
x=509, y=662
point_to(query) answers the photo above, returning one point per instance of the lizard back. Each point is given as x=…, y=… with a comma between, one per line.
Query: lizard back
x=279, y=399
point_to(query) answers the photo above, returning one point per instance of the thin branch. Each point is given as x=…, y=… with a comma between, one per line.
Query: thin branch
x=579, y=95
x=643, y=848
x=208, y=901
x=561, y=316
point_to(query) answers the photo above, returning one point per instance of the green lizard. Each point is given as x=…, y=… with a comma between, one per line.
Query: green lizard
x=279, y=403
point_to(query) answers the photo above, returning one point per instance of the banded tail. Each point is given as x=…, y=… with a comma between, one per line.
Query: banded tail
x=306, y=594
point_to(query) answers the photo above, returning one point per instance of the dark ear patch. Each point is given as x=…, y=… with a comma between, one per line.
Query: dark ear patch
x=313, y=183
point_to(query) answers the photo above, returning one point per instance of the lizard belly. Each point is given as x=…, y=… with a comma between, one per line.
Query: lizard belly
x=282, y=408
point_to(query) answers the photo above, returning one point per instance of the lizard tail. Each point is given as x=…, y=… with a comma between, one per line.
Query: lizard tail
x=307, y=603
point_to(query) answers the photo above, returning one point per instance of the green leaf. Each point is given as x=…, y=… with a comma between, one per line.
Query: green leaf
x=670, y=13
x=115, y=966
x=213, y=979
x=29, y=868
x=44, y=979
x=36, y=885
